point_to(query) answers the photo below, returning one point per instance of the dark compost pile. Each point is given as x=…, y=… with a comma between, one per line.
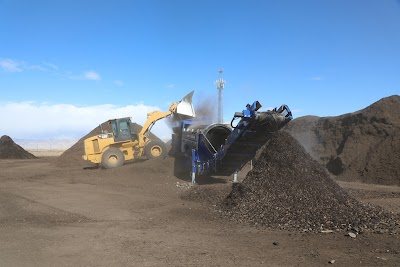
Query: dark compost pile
x=288, y=189
x=360, y=146
x=10, y=150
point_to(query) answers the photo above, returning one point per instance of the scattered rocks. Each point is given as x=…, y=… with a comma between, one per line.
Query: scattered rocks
x=207, y=194
x=352, y=235
x=184, y=185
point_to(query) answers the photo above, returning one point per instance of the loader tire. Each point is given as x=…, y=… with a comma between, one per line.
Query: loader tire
x=112, y=158
x=156, y=149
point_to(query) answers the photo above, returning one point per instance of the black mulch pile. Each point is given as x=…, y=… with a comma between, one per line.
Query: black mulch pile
x=287, y=189
x=360, y=146
x=10, y=150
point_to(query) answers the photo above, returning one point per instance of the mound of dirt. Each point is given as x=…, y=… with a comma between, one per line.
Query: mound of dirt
x=10, y=150
x=288, y=189
x=72, y=157
x=361, y=146
x=157, y=166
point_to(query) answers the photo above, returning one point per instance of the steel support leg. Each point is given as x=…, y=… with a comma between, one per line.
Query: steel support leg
x=193, y=173
x=235, y=176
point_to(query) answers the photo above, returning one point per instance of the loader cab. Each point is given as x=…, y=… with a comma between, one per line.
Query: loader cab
x=122, y=130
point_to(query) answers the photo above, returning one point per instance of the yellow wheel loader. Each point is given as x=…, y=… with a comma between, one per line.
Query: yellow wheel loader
x=111, y=150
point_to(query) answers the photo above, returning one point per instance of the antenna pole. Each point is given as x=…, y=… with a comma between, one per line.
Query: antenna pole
x=220, y=86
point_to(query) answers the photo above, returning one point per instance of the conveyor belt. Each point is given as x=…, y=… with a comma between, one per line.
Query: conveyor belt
x=239, y=153
x=242, y=145
x=217, y=149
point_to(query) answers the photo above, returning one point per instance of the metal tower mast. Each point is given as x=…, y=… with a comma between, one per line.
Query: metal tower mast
x=220, y=86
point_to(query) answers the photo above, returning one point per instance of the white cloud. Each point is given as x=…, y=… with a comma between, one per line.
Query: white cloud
x=30, y=120
x=36, y=67
x=50, y=65
x=10, y=65
x=171, y=85
x=88, y=75
x=119, y=83
x=91, y=75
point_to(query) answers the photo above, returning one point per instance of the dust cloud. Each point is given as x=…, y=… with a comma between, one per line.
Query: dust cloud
x=205, y=108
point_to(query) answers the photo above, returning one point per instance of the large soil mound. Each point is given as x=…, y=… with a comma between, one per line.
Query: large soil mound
x=363, y=146
x=287, y=189
x=73, y=156
x=10, y=150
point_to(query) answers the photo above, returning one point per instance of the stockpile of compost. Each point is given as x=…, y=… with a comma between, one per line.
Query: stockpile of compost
x=287, y=189
x=361, y=146
x=10, y=150
x=73, y=156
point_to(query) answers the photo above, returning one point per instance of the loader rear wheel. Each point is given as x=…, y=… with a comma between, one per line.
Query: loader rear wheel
x=112, y=158
x=156, y=149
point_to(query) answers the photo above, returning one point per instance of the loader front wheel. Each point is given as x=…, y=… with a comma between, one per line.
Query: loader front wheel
x=156, y=149
x=112, y=158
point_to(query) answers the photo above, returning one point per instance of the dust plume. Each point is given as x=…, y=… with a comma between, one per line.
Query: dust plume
x=205, y=107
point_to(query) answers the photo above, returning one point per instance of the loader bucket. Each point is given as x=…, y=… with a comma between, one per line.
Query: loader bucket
x=185, y=106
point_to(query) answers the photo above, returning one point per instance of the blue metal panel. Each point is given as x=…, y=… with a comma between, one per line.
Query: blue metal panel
x=239, y=146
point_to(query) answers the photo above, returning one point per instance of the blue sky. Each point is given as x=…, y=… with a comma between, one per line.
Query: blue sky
x=66, y=66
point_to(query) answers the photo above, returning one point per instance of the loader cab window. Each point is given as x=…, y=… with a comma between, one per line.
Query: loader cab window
x=121, y=129
x=124, y=127
x=114, y=128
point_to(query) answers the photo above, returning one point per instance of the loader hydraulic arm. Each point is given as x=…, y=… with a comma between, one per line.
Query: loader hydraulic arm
x=182, y=108
x=152, y=118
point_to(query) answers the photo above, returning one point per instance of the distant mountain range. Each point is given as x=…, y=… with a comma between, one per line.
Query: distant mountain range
x=48, y=144
x=45, y=144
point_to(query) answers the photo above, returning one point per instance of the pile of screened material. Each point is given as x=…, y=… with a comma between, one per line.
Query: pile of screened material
x=73, y=156
x=287, y=189
x=360, y=146
x=10, y=150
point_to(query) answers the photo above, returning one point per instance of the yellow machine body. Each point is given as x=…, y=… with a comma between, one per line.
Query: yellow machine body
x=96, y=145
x=111, y=150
